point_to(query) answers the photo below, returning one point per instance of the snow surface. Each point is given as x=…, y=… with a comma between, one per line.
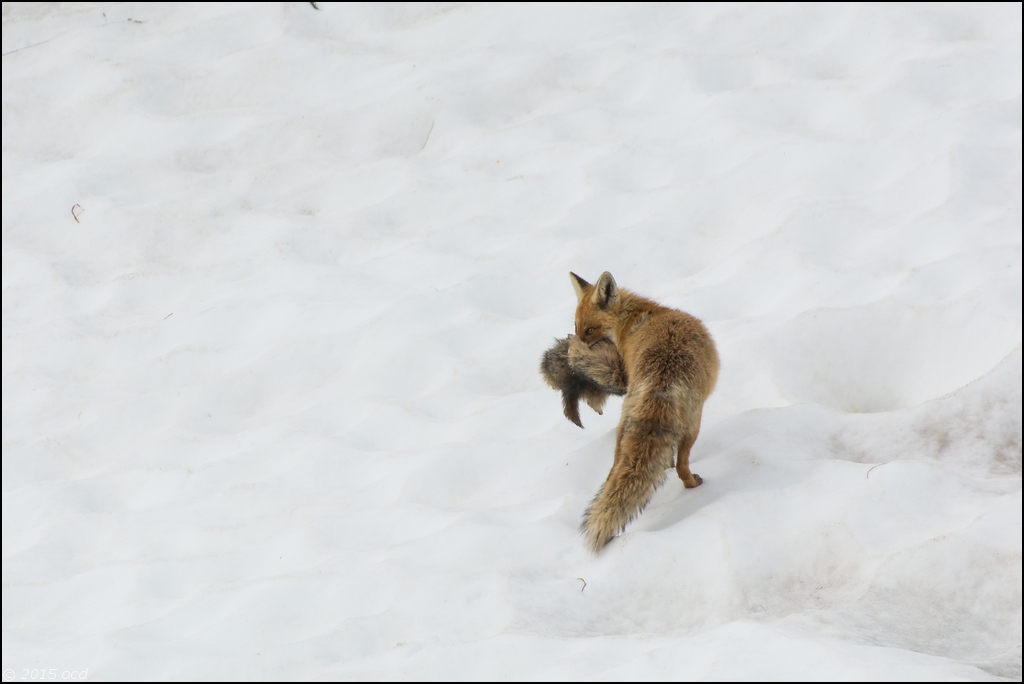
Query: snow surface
x=271, y=405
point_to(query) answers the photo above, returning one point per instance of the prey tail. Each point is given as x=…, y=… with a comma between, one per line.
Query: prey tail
x=643, y=453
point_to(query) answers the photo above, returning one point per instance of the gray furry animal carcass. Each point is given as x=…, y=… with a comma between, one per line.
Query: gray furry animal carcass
x=581, y=371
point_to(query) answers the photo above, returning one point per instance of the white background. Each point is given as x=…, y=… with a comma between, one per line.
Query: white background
x=271, y=405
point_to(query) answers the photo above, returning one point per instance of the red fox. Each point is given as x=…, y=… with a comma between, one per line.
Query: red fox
x=670, y=366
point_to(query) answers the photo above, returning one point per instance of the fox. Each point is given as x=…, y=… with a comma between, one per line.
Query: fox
x=668, y=364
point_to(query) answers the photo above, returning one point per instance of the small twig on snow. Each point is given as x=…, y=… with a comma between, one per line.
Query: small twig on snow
x=428, y=135
x=584, y=583
x=76, y=214
x=872, y=468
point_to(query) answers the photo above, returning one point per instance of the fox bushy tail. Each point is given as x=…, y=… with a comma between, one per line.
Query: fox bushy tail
x=643, y=452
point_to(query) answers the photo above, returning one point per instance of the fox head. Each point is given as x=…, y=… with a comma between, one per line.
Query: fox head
x=597, y=307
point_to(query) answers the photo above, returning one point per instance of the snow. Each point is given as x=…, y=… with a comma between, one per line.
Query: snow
x=271, y=405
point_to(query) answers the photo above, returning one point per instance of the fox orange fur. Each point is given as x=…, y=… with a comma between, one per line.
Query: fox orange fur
x=670, y=366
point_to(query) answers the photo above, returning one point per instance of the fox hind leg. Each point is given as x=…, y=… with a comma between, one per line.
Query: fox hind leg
x=689, y=479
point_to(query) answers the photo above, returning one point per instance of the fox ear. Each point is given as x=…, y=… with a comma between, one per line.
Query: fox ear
x=580, y=285
x=606, y=292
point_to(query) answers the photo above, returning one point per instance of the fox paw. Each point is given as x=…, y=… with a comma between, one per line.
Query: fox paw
x=698, y=481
